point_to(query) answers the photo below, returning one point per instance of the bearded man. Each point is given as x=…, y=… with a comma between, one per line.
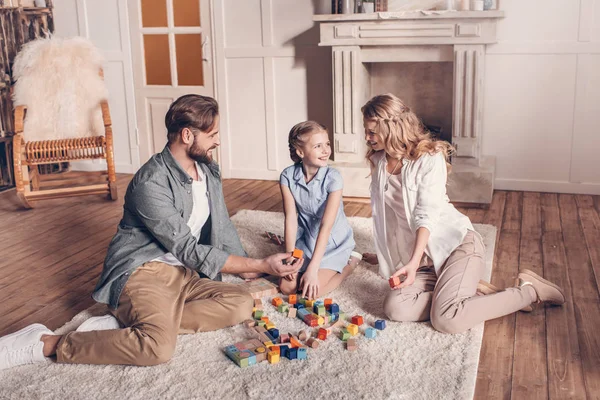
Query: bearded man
x=163, y=268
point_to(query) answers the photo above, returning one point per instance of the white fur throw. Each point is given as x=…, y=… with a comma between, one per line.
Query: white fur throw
x=58, y=82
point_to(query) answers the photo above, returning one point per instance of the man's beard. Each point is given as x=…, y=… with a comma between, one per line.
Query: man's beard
x=200, y=156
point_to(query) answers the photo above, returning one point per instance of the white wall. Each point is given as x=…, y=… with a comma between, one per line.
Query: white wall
x=271, y=74
x=105, y=23
x=542, y=100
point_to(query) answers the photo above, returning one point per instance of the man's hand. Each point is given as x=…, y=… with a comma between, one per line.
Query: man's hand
x=276, y=266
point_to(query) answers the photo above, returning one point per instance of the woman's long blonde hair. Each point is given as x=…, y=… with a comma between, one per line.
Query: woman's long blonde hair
x=402, y=132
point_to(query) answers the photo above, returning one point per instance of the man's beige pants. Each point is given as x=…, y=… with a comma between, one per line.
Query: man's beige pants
x=158, y=302
x=450, y=300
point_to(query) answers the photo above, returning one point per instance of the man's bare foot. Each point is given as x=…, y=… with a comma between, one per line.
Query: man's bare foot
x=249, y=276
x=371, y=258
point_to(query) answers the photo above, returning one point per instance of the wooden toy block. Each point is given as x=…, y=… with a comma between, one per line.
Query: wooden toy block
x=252, y=359
x=371, y=333
x=274, y=332
x=302, y=353
x=261, y=323
x=323, y=333
x=299, y=306
x=302, y=313
x=270, y=326
x=253, y=343
x=284, y=350
x=261, y=287
x=295, y=342
x=342, y=315
x=249, y=323
x=357, y=320
x=265, y=319
x=319, y=303
x=284, y=338
x=344, y=334
x=274, y=348
x=293, y=354
x=304, y=335
x=273, y=357
x=309, y=304
x=394, y=281
x=260, y=329
x=276, y=301
x=319, y=310
x=380, y=324
x=351, y=344
x=261, y=354
x=334, y=308
x=241, y=346
x=337, y=323
x=302, y=300
x=292, y=299
x=258, y=304
x=353, y=329
x=297, y=253
x=283, y=308
x=243, y=362
x=328, y=302
x=292, y=313
x=268, y=343
x=313, y=343
x=258, y=314
x=320, y=321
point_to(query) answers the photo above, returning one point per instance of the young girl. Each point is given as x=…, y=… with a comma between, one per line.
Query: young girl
x=421, y=237
x=314, y=214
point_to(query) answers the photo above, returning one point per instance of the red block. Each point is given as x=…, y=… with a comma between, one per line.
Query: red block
x=357, y=320
x=394, y=281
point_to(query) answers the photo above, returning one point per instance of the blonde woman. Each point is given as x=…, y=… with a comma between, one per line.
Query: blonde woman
x=421, y=238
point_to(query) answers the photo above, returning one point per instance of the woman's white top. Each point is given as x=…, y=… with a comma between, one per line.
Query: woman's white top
x=423, y=204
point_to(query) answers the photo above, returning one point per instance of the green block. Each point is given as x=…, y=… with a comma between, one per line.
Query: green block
x=321, y=311
x=258, y=314
x=244, y=362
x=342, y=316
x=283, y=308
x=261, y=323
x=344, y=334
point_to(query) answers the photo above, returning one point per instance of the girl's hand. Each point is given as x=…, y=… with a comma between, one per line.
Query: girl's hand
x=310, y=284
x=410, y=273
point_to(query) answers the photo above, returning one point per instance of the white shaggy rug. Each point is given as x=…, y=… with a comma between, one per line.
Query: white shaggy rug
x=405, y=361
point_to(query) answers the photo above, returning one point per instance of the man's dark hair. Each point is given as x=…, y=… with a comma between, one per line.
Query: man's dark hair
x=191, y=111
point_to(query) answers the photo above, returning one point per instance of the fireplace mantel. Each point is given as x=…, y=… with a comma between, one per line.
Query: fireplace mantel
x=447, y=36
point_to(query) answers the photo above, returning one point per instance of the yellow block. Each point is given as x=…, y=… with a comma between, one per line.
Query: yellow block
x=273, y=357
x=309, y=304
x=353, y=329
x=270, y=325
x=321, y=321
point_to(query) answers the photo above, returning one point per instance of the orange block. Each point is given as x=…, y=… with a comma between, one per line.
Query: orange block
x=266, y=319
x=276, y=301
x=292, y=298
x=294, y=342
x=297, y=253
x=394, y=281
x=328, y=302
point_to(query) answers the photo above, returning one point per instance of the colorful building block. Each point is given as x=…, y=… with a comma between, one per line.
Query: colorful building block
x=371, y=333
x=304, y=335
x=353, y=329
x=328, y=302
x=334, y=308
x=344, y=334
x=313, y=343
x=298, y=306
x=292, y=354
x=302, y=313
x=283, y=308
x=357, y=320
x=351, y=344
x=273, y=357
x=258, y=314
x=380, y=324
x=261, y=354
x=275, y=349
x=249, y=323
x=394, y=281
x=309, y=304
x=274, y=332
x=295, y=342
x=297, y=253
x=302, y=301
x=261, y=323
x=302, y=353
x=323, y=333
x=276, y=301
x=284, y=350
x=319, y=310
x=292, y=299
x=260, y=288
x=284, y=338
x=292, y=312
x=320, y=321
x=265, y=319
x=270, y=326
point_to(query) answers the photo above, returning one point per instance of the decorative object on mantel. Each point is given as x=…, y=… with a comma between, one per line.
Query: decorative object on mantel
x=381, y=5
x=477, y=5
x=347, y=6
x=465, y=5
x=368, y=6
x=489, y=5
x=322, y=6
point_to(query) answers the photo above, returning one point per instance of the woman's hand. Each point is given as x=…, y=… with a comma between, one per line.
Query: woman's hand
x=410, y=272
x=310, y=283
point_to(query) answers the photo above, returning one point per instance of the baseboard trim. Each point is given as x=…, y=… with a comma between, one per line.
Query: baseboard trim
x=547, y=186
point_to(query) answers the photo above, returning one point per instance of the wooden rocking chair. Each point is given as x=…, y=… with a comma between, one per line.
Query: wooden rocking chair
x=32, y=186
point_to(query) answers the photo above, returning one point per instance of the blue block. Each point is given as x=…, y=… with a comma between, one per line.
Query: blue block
x=252, y=359
x=302, y=354
x=274, y=333
x=370, y=333
x=319, y=303
x=303, y=312
x=283, y=351
x=231, y=349
x=380, y=324
x=299, y=306
x=334, y=309
x=292, y=354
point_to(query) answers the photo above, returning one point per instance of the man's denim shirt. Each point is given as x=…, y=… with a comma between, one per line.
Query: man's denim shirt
x=158, y=204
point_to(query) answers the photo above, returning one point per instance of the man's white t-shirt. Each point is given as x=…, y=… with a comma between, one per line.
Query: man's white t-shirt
x=199, y=216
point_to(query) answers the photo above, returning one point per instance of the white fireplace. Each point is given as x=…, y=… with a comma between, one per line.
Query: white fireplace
x=435, y=61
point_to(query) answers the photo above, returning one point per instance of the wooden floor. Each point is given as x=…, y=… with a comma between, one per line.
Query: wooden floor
x=52, y=257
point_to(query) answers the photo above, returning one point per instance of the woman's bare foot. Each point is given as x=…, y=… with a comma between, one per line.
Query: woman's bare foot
x=371, y=258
